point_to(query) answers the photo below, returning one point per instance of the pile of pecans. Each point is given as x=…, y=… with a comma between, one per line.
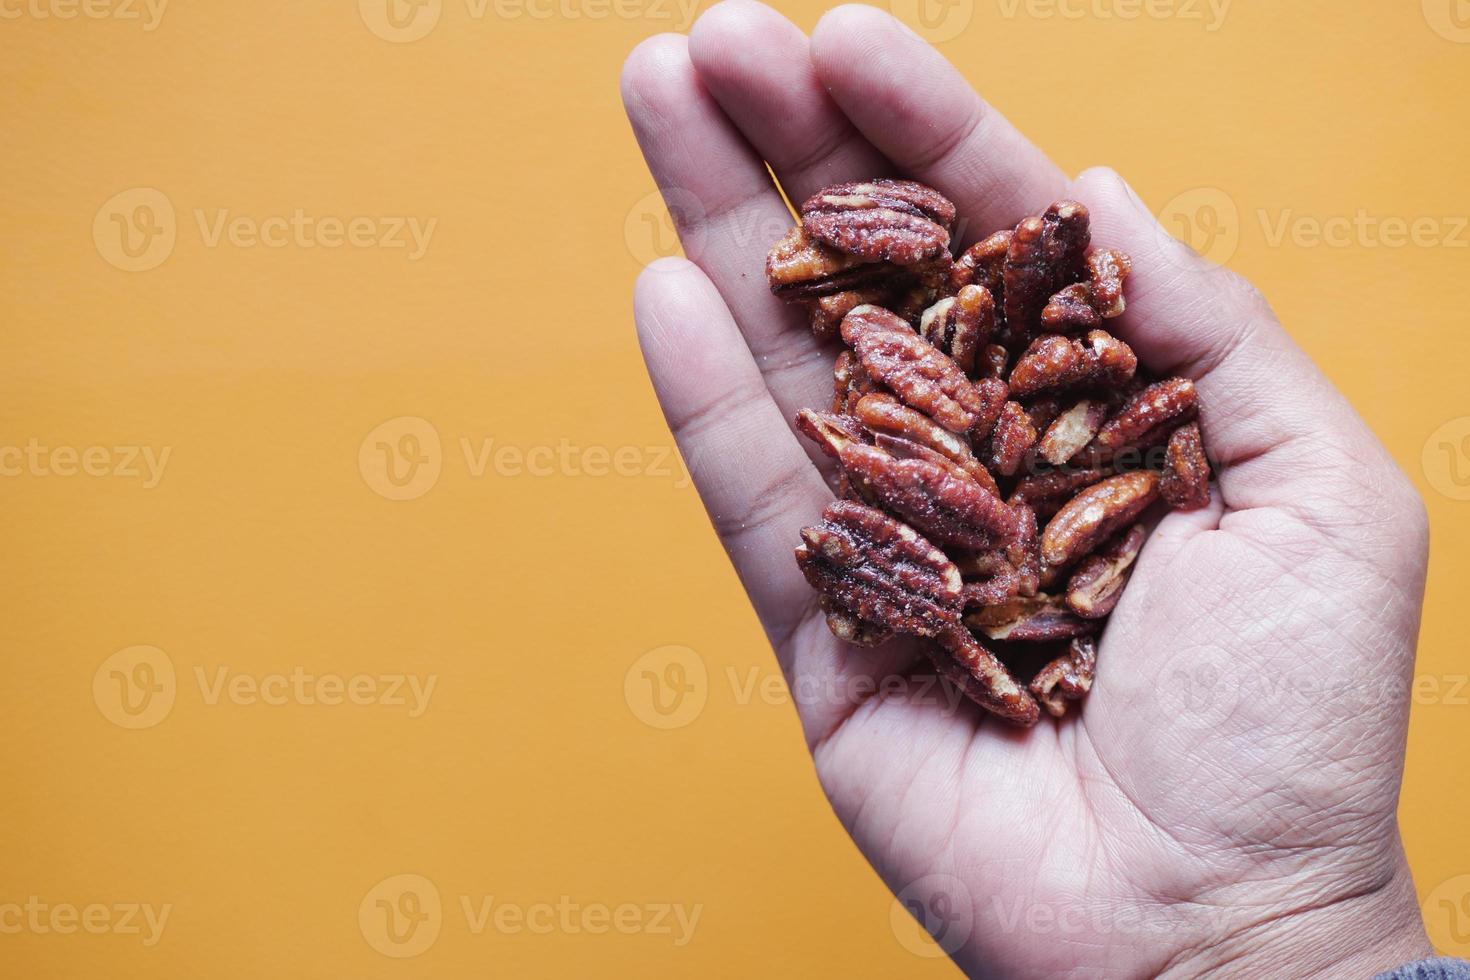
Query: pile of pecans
x=996, y=448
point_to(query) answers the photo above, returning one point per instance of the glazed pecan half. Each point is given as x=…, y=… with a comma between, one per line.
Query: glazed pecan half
x=920, y=374
x=1185, y=484
x=1057, y=362
x=1095, y=513
x=1067, y=678
x=897, y=221
x=799, y=267
x=940, y=502
x=1084, y=305
x=880, y=570
x=1098, y=583
x=961, y=325
x=1037, y=618
x=965, y=662
x=1146, y=418
x=983, y=264
x=1045, y=254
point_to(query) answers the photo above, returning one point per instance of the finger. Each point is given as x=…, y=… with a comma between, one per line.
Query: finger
x=920, y=113
x=757, y=65
x=1280, y=434
x=727, y=211
x=756, y=483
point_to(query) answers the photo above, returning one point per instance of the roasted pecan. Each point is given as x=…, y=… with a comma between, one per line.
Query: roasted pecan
x=1043, y=410
x=1045, y=254
x=1024, y=553
x=992, y=361
x=1011, y=439
x=967, y=664
x=1070, y=311
x=826, y=312
x=1097, y=584
x=990, y=577
x=896, y=221
x=848, y=627
x=880, y=570
x=1067, y=678
x=1185, y=484
x=1055, y=362
x=829, y=431
x=1095, y=513
x=1047, y=492
x=885, y=415
x=961, y=325
x=1146, y=418
x=921, y=375
x=800, y=268
x=1072, y=430
x=1084, y=305
x=938, y=501
x=1107, y=269
x=902, y=448
x=849, y=383
x=1037, y=618
x=983, y=264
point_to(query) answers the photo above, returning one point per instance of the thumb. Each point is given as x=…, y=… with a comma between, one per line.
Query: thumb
x=1279, y=434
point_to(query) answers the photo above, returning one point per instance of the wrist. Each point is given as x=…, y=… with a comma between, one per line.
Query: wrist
x=1360, y=936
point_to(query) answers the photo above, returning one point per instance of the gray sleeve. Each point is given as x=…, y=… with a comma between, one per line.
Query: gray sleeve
x=1435, y=969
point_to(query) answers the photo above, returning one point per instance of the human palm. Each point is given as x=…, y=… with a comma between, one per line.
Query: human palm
x=1224, y=800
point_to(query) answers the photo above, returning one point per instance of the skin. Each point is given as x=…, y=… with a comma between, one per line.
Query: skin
x=1224, y=803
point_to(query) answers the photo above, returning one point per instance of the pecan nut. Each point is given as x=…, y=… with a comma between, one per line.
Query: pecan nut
x=830, y=431
x=1146, y=417
x=1011, y=439
x=966, y=663
x=885, y=415
x=1185, y=484
x=897, y=221
x=1098, y=583
x=1072, y=430
x=1084, y=305
x=961, y=325
x=941, y=503
x=921, y=375
x=1067, y=678
x=983, y=264
x=1054, y=361
x=1031, y=619
x=800, y=268
x=1045, y=254
x=880, y=570
x=1047, y=492
x=848, y=627
x=1095, y=513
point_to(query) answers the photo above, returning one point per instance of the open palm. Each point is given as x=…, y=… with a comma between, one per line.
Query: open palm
x=1225, y=799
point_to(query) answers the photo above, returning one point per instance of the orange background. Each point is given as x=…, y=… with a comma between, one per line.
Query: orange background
x=538, y=588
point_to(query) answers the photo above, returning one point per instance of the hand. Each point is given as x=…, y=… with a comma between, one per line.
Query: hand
x=1225, y=799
